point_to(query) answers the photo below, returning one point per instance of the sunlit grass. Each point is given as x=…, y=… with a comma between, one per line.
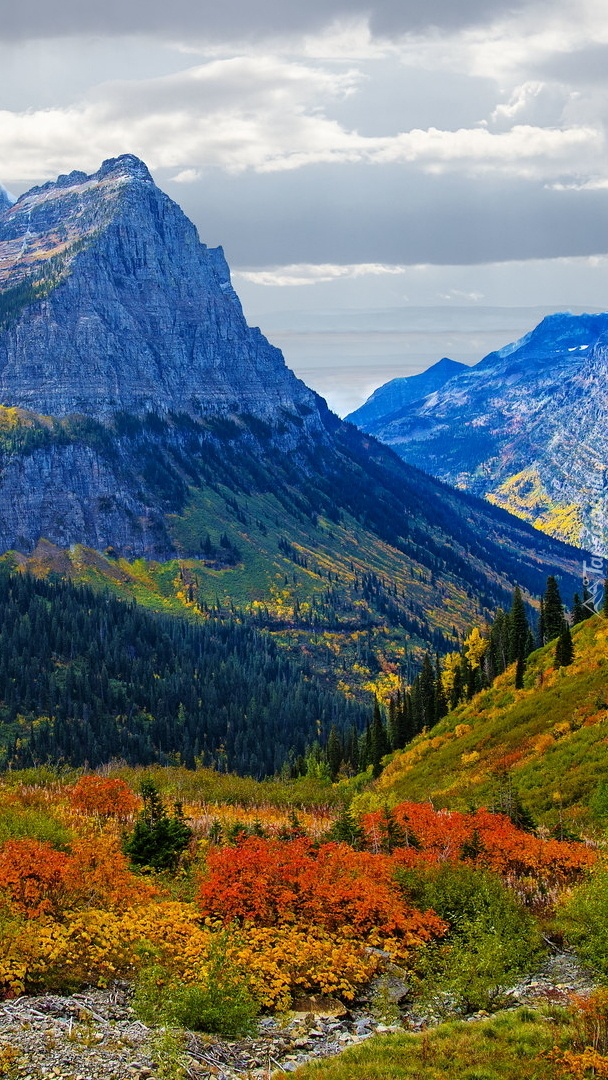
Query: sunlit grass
x=509, y=1046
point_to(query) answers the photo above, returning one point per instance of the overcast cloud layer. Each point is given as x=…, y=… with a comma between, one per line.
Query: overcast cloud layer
x=338, y=149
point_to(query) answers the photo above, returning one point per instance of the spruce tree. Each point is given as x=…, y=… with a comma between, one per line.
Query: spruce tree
x=605, y=600
x=378, y=741
x=404, y=722
x=159, y=838
x=427, y=691
x=334, y=752
x=553, y=610
x=518, y=628
x=541, y=623
x=564, y=649
x=347, y=830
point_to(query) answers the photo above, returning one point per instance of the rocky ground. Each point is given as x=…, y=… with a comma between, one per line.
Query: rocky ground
x=96, y=1036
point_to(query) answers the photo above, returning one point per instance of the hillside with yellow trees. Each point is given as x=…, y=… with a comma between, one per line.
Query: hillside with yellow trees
x=544, y=745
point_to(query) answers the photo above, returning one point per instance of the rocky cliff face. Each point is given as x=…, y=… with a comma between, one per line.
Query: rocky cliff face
x=110, y=302
x=527, y=428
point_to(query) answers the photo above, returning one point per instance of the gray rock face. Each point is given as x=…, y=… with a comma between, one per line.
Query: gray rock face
x=110, y=303
x=63, y=493
x=527, y=428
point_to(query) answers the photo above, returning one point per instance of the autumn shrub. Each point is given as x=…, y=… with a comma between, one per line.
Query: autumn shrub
x=98, y=874
x=268, y=882
x=32, y=876
x=537, y=868
x=103, y=796
x=287, y=961
x=587, y=1056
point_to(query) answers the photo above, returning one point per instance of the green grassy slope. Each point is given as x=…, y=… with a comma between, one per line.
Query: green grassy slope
x=547, y=742
x=508, y=1046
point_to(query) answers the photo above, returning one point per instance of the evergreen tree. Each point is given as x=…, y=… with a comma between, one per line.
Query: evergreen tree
x=605, y=600
x=159, y=838
x=334, y=752
x=553, y=611
x=519, y=628
x=365, y=748
x=393, y=834
x=578, y=612
x=541, y=624
x=347, y=830
x=520, y=815
x=472, y=847
x=404, y=722
x=426, y=697
x=378, y=741
x=564, y=649
x=499, y=648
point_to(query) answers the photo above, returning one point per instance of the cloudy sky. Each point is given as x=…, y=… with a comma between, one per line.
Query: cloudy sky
x=392, y=180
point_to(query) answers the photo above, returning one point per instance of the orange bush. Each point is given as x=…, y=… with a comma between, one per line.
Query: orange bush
x=500, y=845
x=38, y=880
x=33, y=876
x=269, y=882
x=104, y=797
x=97, y=874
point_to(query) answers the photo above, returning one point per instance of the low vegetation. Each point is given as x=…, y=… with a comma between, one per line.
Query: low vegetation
x=543, y=1044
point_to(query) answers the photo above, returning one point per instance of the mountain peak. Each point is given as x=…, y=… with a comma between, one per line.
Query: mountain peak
x=6, y=199
x=109, y=302
x=395, y=395
x=127, y=165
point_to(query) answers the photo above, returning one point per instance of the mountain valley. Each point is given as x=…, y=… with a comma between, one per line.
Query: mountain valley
x=292, y=751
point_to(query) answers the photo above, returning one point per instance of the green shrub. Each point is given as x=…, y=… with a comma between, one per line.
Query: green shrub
x=221, y=1003
x=584, y=918
x=492, y=940
x=32, y=823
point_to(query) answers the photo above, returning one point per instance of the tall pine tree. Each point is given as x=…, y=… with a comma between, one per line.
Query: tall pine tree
x=553, y=611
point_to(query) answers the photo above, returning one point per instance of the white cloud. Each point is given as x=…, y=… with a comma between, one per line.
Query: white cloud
x=270, y=115
x=186, y=176
x=312, y=274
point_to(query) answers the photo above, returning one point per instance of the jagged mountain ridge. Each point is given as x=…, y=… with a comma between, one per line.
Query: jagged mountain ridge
x=143, y=416
x=112, y=303
x=387, y=402
x=527, y=427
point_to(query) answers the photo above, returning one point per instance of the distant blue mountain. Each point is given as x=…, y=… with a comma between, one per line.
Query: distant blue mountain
x=388, y=400
x=6, y=199
x=526, y=427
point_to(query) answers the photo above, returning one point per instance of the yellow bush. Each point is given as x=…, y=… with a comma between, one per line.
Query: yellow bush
x=96, y=946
